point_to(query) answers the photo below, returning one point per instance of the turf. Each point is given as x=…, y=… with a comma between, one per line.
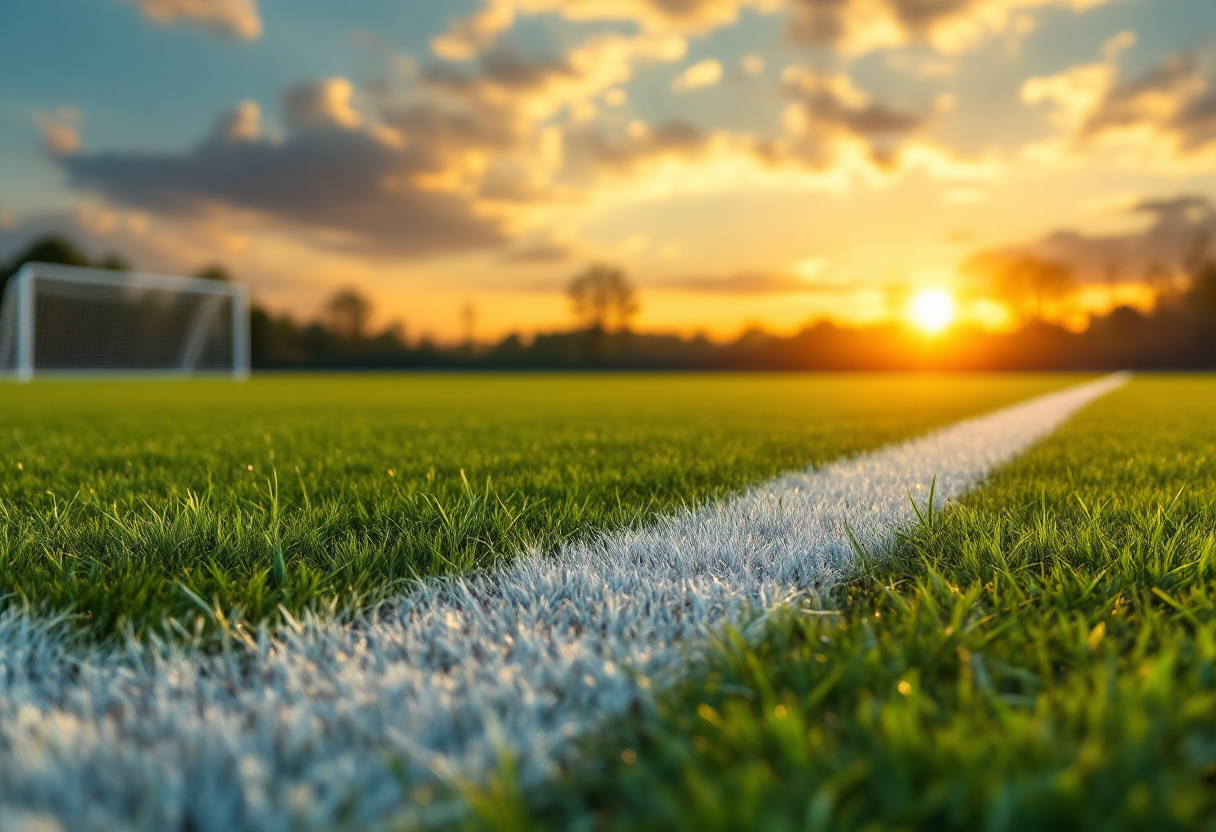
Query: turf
x=125, y=503
x=1042, y=656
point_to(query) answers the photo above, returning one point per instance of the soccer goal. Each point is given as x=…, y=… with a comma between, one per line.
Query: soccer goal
x=64, y=320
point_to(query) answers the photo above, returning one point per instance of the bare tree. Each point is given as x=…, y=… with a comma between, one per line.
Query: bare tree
x=348, y=312
x=1197, y=257
x=1031, y=286
x=603, y=298
x=1200, y=267
x=468, y=319
x=1162, y=283
x=1113, y=272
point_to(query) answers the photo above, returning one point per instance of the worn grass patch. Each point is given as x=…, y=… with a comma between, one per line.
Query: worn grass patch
x=1042, y=656
x=130, y=502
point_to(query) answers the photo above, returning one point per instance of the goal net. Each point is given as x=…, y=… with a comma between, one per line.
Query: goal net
x=68, y=320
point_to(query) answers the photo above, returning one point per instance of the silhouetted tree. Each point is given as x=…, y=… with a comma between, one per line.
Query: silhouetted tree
x=603, y=298
x=1161, y=282
x=113, y=261
x=50, y=249
x=348, y=312
x=468, y=320
x=215, y=272
x=1027, y=284
x=1201, y=293
x=1196, y=258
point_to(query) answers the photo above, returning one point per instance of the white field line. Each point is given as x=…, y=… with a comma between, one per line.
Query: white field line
x=330, y=724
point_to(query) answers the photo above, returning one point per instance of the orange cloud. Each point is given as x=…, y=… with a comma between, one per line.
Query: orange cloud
x=854, y=26
x=236, y=19
x=701, y=74
x=60, y=130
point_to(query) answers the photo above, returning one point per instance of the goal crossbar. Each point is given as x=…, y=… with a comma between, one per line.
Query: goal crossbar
x=20, y=325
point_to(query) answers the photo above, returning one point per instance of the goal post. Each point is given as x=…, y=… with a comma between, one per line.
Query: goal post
x=67, y=320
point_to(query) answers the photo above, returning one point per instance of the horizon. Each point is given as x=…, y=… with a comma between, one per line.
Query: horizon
x=747, y=163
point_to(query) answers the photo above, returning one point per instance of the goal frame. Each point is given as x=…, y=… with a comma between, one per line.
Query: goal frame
x=21, y=289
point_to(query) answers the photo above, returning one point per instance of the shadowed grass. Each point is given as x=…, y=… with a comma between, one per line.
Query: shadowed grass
x=129, y=502
x=1042, y=656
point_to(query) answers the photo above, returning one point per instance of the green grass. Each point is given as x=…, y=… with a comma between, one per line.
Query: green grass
x=129, y=502
x=1040, y=657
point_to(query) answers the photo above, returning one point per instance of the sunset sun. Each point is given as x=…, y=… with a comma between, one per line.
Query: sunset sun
x=932, y=310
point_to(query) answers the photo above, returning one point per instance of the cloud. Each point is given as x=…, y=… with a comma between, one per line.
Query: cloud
x=759, y=282
x=468, y=35
x=331, y=174
x=950, y=26
x=60, y=130
x=836, y=134
x=1163, y=119
x=1172, y=228
x=318, y=105
x=458, y=156
x=237, y=19
x=594, y=158
x=461, y=159
x=536, y=88
x=829, y=102
x=701, y=74
x=829, y=120
x=242, y=124
x=853, y=26
x=541, y=252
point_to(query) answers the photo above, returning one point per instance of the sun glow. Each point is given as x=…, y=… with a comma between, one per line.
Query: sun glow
x=932, y=310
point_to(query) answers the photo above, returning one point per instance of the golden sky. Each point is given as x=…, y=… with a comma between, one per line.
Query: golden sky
x=747, y=162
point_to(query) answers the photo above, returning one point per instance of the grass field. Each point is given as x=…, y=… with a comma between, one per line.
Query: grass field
x=1038, y=656
x=1041, y=656
x=129, y=502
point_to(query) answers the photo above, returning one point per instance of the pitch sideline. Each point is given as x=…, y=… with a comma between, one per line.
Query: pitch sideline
x=523, y=658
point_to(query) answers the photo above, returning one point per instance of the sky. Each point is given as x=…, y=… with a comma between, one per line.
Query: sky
x=746, y=162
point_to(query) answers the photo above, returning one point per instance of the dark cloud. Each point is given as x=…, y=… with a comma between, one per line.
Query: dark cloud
x=1175, y=227
x=317, y=105
x=1174, y=83
x=626, y=155
x=836, y=21
x=831, y=104
x=1164, y=116
x=354, y=187
x=826, y=114
x=504, y=67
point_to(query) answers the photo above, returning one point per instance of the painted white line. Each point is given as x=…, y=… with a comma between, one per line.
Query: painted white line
x=314, y=730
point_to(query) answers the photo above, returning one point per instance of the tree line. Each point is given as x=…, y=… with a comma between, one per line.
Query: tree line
x=1179, y=332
